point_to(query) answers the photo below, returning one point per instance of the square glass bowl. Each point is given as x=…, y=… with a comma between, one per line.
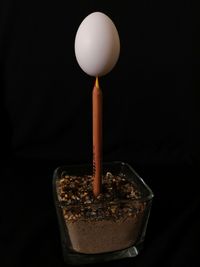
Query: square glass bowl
x=96, y=238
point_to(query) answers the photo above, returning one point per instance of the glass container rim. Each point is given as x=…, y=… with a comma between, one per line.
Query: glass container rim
x=56, y=177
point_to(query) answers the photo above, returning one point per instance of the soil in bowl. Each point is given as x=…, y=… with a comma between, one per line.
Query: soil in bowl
x=110, y=222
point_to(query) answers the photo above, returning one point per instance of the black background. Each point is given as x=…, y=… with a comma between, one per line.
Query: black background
x=148, y=121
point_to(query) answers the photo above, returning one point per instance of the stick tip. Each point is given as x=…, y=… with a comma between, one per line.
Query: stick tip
x=97, y=82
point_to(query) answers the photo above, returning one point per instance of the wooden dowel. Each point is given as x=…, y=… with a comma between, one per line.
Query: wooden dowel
x=97, y=137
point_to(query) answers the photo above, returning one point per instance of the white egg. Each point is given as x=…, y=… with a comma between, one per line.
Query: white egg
x=97, y=44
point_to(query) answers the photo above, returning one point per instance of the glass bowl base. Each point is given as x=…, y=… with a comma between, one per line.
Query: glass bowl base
x=74, y=258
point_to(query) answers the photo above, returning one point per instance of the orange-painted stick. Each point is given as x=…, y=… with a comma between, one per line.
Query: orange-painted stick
x=97, y=137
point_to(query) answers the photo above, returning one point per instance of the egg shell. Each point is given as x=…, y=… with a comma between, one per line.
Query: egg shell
x=97, y=44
